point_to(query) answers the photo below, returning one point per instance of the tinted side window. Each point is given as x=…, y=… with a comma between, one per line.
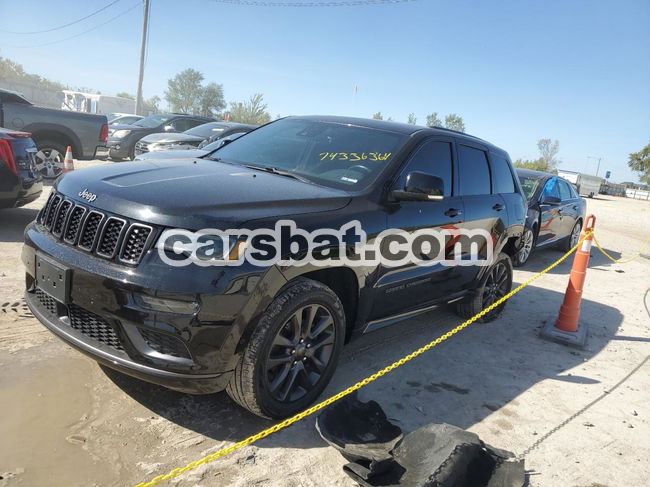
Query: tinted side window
x=180, y=124
x=551, y=188
x=474, y=173
x=501, y=175
x=565, y=191
x=432, y=157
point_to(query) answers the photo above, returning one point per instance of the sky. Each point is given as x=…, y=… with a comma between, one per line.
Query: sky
x=576, y=71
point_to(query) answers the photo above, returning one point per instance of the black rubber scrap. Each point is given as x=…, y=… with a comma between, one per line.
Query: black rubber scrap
x=435, y=455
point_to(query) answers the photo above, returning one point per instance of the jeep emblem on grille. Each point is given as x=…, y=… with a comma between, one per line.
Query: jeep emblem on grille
x=87, y=195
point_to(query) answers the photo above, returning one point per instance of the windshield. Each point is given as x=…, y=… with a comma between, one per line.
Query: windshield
x=328, y=153
x=529, y=185
x=206, y=130
x=152, y=121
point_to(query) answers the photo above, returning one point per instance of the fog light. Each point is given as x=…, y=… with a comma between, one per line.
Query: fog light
x=167, y=305
x=118, y=146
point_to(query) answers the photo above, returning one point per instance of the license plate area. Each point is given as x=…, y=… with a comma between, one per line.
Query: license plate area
x=53, y=278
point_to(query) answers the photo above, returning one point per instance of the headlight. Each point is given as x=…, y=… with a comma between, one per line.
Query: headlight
x=120, y=134
x=179, y=245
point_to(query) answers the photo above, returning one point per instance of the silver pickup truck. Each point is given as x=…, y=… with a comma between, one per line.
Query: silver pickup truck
x=53, y=131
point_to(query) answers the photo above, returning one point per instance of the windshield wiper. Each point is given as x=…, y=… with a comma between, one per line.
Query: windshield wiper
x=275, y=170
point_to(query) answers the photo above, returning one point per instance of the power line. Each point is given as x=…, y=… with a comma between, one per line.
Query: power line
x=64, y=25
x=81, y=33
x=342, y=3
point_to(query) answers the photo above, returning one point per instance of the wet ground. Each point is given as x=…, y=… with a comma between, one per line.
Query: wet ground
x=68, y=422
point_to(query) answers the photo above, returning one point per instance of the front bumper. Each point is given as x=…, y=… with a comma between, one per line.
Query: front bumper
x=108, y=312
x=59, y=324
x=119, y=148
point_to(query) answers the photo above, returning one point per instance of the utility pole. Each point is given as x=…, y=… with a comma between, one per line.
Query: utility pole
x=598, y=159
x=143, y=51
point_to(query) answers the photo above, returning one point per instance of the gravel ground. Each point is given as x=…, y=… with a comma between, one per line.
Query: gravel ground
x=68, y=422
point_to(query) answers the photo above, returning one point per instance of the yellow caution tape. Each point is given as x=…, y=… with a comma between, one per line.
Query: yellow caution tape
x=622, y=261
x=317, y=407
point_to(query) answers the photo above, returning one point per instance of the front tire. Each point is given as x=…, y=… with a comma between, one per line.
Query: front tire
x=496, y=283
x=292, y=354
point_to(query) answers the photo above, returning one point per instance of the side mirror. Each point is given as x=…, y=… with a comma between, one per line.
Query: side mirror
x=420, y=186
x=169, y=128
x=551, y=200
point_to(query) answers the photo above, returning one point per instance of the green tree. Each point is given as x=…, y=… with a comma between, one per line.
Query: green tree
x=212, y=102
x=12, y=71
x=184, y=91
x=433, y=120
x=378, y=116
x=455, y=122
x=548, y=151
x=152, y=105
x=124, y=94
x=535, y=165
x=253, y=111
x=640, y=162
x=412, y=119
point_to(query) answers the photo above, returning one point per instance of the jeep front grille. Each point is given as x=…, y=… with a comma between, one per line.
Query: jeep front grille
x=111, y=234
x=108, y=236
x=135, y=242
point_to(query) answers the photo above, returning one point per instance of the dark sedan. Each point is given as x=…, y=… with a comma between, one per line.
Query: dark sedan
x=122, y=138
x=555, y=213
x=20, y=183
x=190, y=139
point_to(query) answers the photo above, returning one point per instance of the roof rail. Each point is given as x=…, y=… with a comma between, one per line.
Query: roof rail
x=456, y=132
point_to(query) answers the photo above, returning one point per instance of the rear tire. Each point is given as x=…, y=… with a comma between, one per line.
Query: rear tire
x=292, y=353
x=496, y=283
x=568, y=243
x=521, y=257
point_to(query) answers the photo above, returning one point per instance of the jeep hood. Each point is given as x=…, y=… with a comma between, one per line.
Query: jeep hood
x=196, y=194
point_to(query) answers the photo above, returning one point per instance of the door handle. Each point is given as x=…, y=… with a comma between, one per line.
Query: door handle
x=498, y=207
x=452, y=212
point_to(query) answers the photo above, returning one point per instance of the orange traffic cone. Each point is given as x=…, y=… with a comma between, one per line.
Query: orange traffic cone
x=566, y=328
x=68, y=162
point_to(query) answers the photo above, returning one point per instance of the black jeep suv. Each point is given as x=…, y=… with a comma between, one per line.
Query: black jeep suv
x=269, y=335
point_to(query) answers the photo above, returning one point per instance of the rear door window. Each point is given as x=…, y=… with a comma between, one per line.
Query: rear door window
x=501, y=176
x=565, y=191
x=474, y=172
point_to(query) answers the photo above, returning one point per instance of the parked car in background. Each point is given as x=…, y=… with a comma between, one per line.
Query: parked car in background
x=122, y=138
x=585, y=184
x=270, y=335
x=124, y=119
x=53, y=131
x=190, y=139
x=555, y=213
x=188, y=154
x=20, y=183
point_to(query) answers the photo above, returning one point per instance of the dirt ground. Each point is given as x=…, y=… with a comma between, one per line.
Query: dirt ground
x=68, y=422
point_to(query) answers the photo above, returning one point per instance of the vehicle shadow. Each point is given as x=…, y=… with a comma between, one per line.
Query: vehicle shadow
x=541, y=258
x=14, y=221
x=461, y=381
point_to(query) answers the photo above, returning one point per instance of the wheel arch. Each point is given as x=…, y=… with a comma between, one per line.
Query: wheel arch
x=56, y=133
x=343, y=281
